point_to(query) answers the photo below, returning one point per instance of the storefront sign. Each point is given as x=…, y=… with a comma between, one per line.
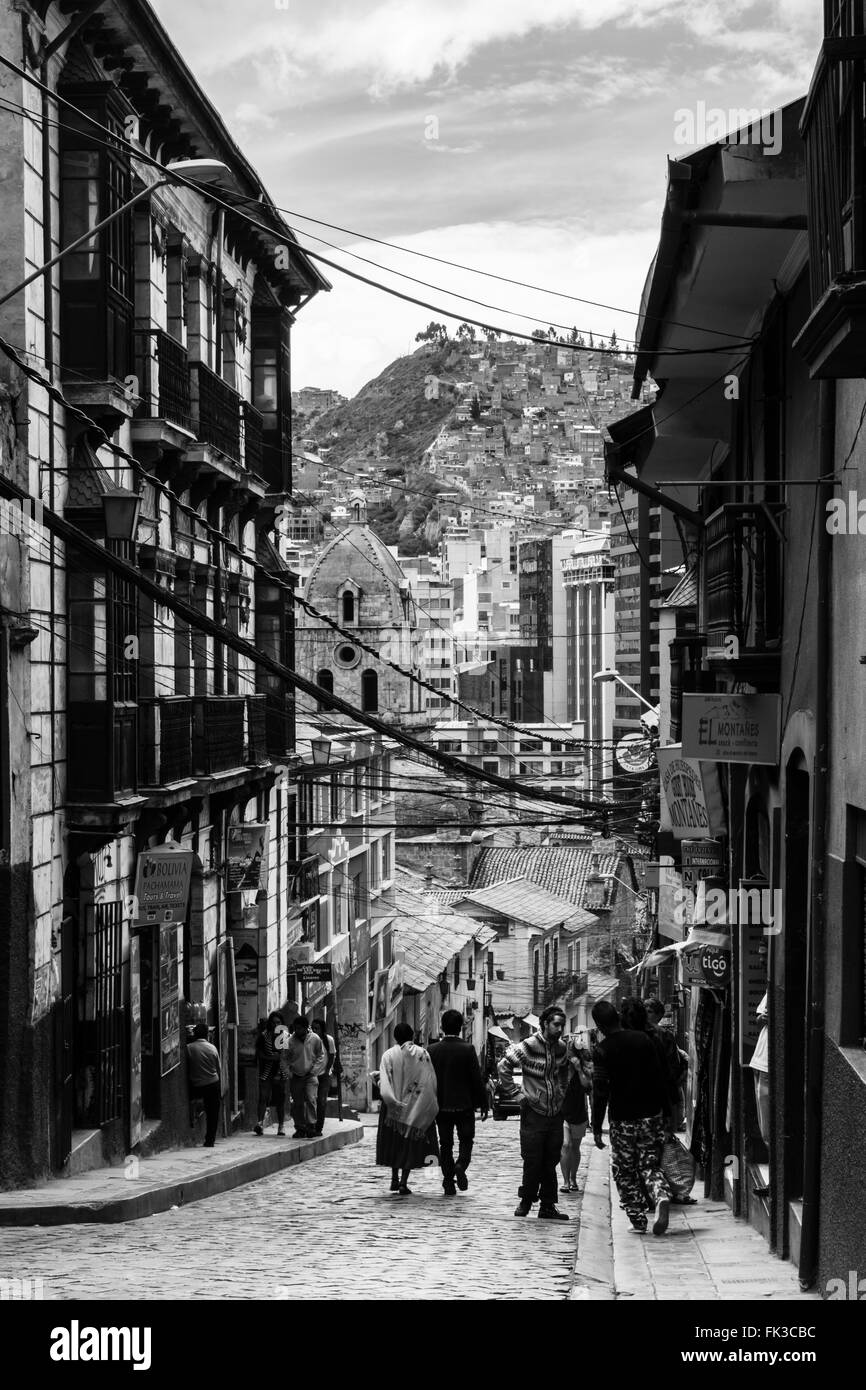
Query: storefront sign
x=162, y=882
x=752, y=986
x=674, y=910
x=312, y=974
x=169, y=1004
x=634, y=753
x=732, y=728
x=135, y=1111
x=691, y=799
x=247, y=857
x=340, y=960
x=716, y=965
x=701, y=859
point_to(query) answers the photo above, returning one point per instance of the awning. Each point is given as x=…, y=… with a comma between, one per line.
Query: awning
x=494, y=1031
x=532, y=1020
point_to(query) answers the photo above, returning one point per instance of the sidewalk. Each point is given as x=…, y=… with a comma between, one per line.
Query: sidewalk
x=142, y=1187
x=706, y=1255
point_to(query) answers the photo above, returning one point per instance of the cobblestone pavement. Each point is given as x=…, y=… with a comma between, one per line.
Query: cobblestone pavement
x=333, y=1215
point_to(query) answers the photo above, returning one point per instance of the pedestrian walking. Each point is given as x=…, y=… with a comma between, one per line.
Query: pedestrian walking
x=203, y=1069
x=303, y=1061
x=270, y=1043
x=543, y=1061
x=676, y=1061
x=634, y=1014
x=628, y=1077
x=574, y=1114
x=460, y=1092
x=330, y=1047
x=406, y=1136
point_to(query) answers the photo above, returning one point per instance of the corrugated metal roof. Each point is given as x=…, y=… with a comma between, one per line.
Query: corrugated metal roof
x=560, y=869
x=429, y=944
x=599, y=985
x=529, y=902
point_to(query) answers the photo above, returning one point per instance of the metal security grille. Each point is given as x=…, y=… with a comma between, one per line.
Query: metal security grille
x=108, y=1009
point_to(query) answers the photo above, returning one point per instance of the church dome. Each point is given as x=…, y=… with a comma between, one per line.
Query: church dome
x=359, y=556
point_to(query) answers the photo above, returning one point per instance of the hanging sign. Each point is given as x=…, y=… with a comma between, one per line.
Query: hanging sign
x=162, y=883
x=716, y=965
x=732, y=728
x=247, y=857
x=691, y=800
x=701, y=859
x=634, y=753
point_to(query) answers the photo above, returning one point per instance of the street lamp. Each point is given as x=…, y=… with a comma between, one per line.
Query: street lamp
x=202, y=171
x=321, y=750
x=615, y=676
x=121, y=514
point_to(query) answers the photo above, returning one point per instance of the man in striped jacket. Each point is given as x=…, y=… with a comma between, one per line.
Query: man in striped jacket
x=543, y=1061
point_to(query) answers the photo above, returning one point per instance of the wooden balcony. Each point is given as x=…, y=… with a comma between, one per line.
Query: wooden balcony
x=253, y=440
x=257, y=729
x=190, y=736
x=165, y=748
x=833, y=127
x=742, y=592
x=162, y=369
x=564, y=988
x=218, y=733
x=216, y=410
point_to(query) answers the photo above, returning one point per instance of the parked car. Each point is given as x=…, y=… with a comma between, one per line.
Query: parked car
x=506, y=1097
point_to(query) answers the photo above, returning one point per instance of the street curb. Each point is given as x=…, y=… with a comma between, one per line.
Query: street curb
x=162, y=1197
x=593, y=1276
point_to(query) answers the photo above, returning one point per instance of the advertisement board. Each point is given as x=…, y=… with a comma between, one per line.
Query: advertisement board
x=247, y=857
x=732, y=728
x=162, y=883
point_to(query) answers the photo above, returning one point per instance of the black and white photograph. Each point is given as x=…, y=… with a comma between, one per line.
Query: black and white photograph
x=432, y=671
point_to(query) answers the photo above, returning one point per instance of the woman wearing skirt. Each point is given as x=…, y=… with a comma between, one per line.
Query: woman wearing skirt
x=406, y=1137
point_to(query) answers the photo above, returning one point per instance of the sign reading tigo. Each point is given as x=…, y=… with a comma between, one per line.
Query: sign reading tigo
x=732, y=728
x=162, y=885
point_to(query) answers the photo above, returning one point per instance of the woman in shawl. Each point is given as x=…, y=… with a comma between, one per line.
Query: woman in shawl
x=407, y=1084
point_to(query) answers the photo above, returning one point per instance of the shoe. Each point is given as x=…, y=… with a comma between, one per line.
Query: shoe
x=395, y=1185
x=316, y=1133
x=523, y=1208
x=551, y=1214
x=404, y=1190
x=567, y=1189
x=660, y=1224
x=461, y=1179
x=300, y=1134
x=207, y=1145
x=574, y=1187
x=449, y=1190
x=258, y=1130
x=280, y=1131
x=638, y=1226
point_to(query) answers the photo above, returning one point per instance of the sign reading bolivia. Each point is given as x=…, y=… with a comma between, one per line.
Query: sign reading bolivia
x=691, y=799
x=162, y=885
x=732, y=728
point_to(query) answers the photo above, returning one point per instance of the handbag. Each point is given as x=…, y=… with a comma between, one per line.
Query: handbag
x=679, y=1167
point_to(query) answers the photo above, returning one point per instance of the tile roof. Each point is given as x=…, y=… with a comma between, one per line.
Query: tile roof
x=529, y=902
x=560, y=869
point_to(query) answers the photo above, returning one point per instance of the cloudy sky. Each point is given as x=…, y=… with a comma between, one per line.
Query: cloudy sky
x=524, y=137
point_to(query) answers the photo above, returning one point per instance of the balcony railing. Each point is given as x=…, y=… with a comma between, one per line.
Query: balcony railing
x=184, y=736
x=252, y=438
x=216, y=412
x=742, y=579
x=564, y=987
x=834, y=133
x=162, y=368
x=833, y=127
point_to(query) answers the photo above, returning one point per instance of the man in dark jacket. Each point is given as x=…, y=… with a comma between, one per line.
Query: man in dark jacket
x=461, y=1092
x=628, y=1076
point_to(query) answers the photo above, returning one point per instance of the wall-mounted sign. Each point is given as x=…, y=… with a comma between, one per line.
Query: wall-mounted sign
x=691, y=799
x=359, y=944
x=312, y=974
x=162, y=882
x=732, y=728
x=247, y=857
x=701, y=859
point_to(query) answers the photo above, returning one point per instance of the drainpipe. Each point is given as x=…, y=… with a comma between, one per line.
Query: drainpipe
x=808, y=1265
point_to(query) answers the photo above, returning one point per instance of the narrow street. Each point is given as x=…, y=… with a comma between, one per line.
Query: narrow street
x=330, y=1229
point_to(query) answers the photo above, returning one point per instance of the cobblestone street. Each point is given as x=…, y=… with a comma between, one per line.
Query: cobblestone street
x=332, y=1218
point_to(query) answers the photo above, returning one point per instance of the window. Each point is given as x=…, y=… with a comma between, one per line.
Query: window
x=88, y=620
x=386, y=858
x=336, y=911
x=358, y=791
x=348, y=606
x=456, y=970
x=347, y=655
x=370, y=692
x=325, y=680
x=490, y=765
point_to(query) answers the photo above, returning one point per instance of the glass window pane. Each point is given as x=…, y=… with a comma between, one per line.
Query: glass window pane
x=80, y=212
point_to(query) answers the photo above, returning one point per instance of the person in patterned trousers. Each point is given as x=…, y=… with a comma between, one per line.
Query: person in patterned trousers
x=628, y=1079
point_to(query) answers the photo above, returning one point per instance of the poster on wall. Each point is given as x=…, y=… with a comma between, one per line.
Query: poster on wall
x=380, y=996
x=169, y=1004
x=247, y=857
